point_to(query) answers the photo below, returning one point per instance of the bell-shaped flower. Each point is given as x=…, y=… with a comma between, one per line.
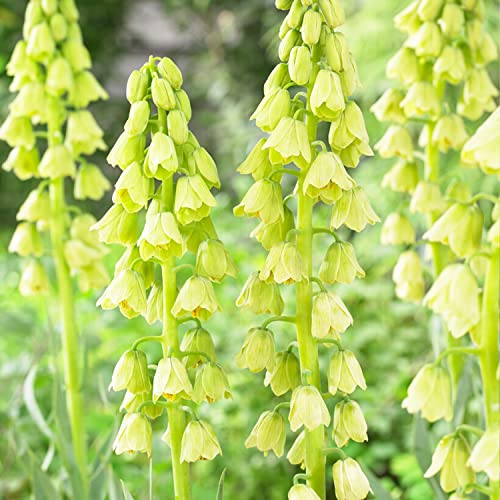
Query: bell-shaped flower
x=302, y=492
x=268, y=434
x=257, y=162
x=388, y=107
x=36, y=206
x=408, y=20
x=93, y=277
x=171, y=380
x=154, y=308
x=349, y=480
x=41, y=44
x=131, y=373
x=450, y=66
x=428, y=10
x=34, y=280
x=214, y=262
x=59, y=77
x=284, y=264
x=274, y=106
x=278, y=78
x=127, y=150
x=117, y=226
x=427, y=199
x=402, y=177
x=353, y=209
x=211, y=384
x=408, y=276
x=308, y=409
x=133, y=189
x=138, y=118
x=17, y=131
x=257, y=352
x=455, y=295
x=340, y=264
x=135, y=435
x=450, y=458
x=85, y=89
x=421, y=100
x=199, y=442
x=196, y=298
x=452, y=20
x=23, y=162
x=485, y=455
x=126, y=291
x=396, y=141
x=344, y=373
x=403, y=66
x=26, y=241
x=348, y=127
x=205, y=165
x=349, y=423
x=330, y=316
x=285, y=375
x=327, y=97
x=430, y=393
x=269, y=235
x=90, y=183
x=449, y=132
x=193, y=199
x=162, y=161
x=197, y=340
x=260, y=297
x=397, y=230
x=57, y=161
x=427, y=41
x=326, y=178
x=297, y=453
x=77, y=54
x=31, y=102
x=289, y=143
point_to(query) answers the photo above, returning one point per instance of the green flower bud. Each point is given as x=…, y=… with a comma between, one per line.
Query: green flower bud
x=162, y=94
x=450, y=66
x=427, y=199
x=300, y=65
x=349, y=480
x=327, y=98
x=348, y=128
x=271, y=234
x=32, y=102
x=427, y=41
x=403, y=66
x=450, y=458
x=330, y=316
x=408, y=275
x=353, y=210
x=269, y=433
x=193, y=199
x=41, y=45
x=308, y=409
x=311, y=27
x=83, y=134
x=135, y=435
x=90, y=182
x=460, y=227
x=59, y=77
x=214, y=262
x=138, y=118
x=455, y=295
x=34, y=280
x=177, y=126
x=263, y=200
x=430, y=393
x=199, y=442
x=127, y=150
x=117, y=226
x=344, y=373
x=58, y=27
x=349, y=78
x=77, y=55
x=297, y=453
x=69, y=10
x=133, y=189
x=211, y=384
x=131, y=258
x=196, y=298
x=197, y=340
x=402, y=177
x=289, y=143
x=154, y=307
x=171, y=380
x=36, y=206
x=333, y=12
x=340, y=264
x=183, y=103
x=290, y=40
x=170, y=72
x=485, y=455
x=337, y=51
x=421, y=100
x=302, y=492
x=162, y=159
x=33, y=16
x=452, y=20
x=205, y=166
x=126, y=291
x=258, y=350
x=296, y=14
x=283, y=4
x=348, y=423
x=131, y=373
x=85, y=89
x=260, y=297
x=137, y=86
x=160, y=237
x=274, y=106
x=26, y=241
x=278, y=78
x=396, y=141
x=408, y=20
x=482, y=148
x=257, y=162
x=388, y=107
x=326, y=178
x=18, y=132
x=284, y=264
x=285, y=375
x=449, y=133
x=428, y=10
x=397, y=230
x=487, y=51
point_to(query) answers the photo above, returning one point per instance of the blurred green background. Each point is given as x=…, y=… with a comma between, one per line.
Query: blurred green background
x=225, y=48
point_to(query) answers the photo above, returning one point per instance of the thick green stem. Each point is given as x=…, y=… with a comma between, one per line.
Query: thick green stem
x=488, y=357
x=69, y=337
x=176, y=416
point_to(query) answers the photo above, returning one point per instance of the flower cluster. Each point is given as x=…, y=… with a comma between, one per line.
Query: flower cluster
x=161, y=215
x=445, y=56
x=50, y=131
x=311, y=84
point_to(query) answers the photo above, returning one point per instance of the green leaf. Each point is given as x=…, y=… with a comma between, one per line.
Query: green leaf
x=379, y=491
x=126, y=493
x=220, y=488
x=43, y=488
